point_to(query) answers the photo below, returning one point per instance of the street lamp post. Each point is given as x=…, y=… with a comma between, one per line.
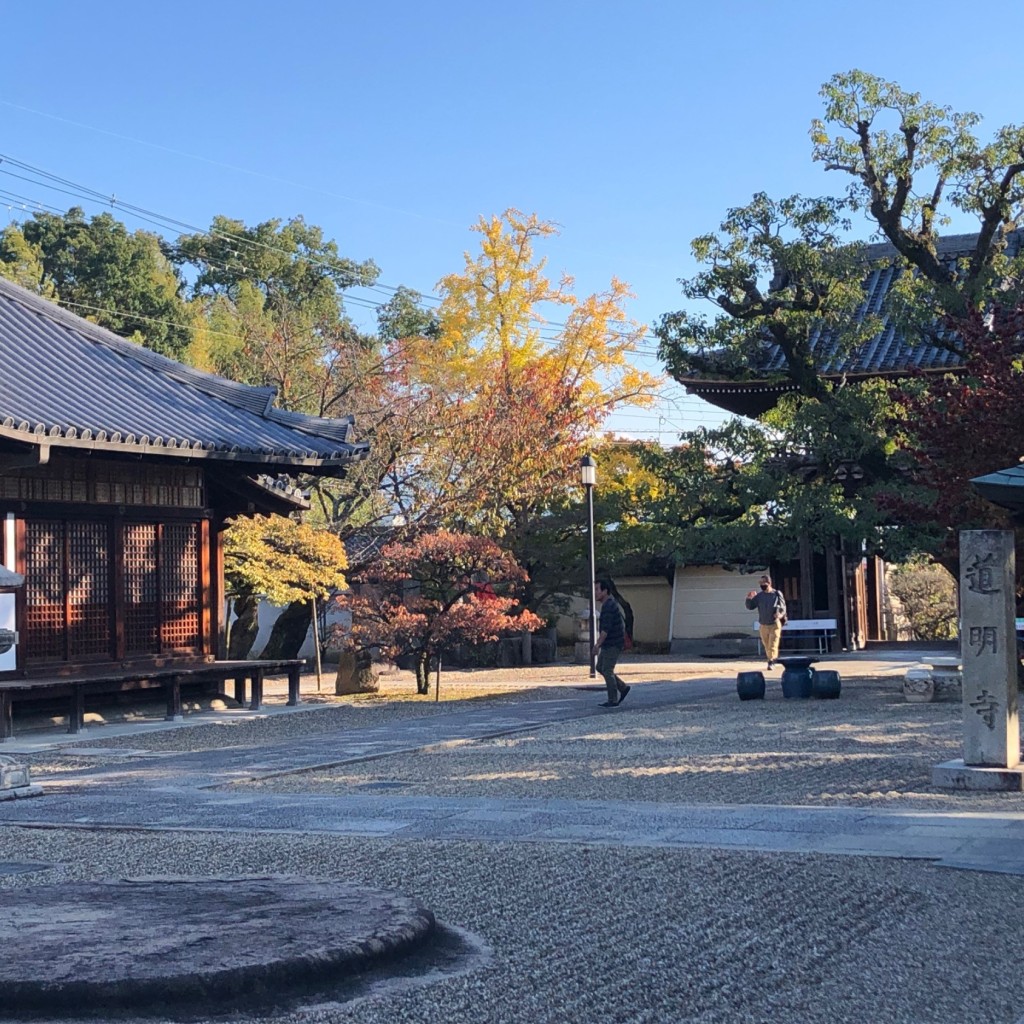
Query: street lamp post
x=588, y=476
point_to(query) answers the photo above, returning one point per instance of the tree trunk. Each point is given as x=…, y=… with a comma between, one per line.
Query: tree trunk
x=244, y=628
x=316, y=646
x=289, y=632
x=422, y=672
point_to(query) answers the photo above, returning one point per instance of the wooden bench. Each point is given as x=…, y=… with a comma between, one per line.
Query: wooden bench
x=168, y=677
x=804, y=635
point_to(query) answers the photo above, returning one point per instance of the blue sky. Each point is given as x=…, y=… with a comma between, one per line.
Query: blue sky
x=395, y=125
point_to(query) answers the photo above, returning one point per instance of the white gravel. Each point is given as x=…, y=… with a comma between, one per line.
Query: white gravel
x=595, y=934
x=868, y=748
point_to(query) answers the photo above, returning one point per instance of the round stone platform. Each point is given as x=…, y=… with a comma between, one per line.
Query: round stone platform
x=161, y=941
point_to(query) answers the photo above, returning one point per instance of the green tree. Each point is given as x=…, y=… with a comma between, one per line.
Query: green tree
x=273, y=298
x=99, y=270
x=927, y=593
x=785, y=274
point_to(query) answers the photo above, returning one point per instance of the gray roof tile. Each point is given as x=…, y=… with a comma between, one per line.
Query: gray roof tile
x=888, y=351
x=75, y=383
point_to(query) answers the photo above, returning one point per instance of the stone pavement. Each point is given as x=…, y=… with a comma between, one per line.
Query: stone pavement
x=178, y=790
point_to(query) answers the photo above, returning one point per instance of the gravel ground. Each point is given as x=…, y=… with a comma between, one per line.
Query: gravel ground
x=589, y=935
x=325, y=713
x=868, y=748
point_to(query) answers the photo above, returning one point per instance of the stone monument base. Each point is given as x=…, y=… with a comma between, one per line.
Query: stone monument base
x=15, y=781
x=200, y=945
x=957, y=775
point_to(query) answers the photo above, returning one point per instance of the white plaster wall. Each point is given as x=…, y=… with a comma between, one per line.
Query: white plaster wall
x=709, y=600
x=267, y=615
x=651, y=599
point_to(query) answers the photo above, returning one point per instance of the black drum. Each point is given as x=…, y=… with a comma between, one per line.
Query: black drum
x=825, y=685
x=750, y=685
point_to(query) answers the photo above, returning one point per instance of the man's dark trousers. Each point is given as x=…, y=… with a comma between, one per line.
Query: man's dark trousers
x=607, y=658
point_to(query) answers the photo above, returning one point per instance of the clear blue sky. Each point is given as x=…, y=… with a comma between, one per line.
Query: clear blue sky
x=395, y=125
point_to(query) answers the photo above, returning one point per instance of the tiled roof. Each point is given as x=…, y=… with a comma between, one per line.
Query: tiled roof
x=68, y=382
x=1005, y=487
x=888, y=351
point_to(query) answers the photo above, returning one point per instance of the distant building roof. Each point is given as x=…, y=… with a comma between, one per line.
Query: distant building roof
x=68, y=383
x=887, y=353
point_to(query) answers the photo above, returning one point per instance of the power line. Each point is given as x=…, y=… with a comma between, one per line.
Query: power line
x=65, y=186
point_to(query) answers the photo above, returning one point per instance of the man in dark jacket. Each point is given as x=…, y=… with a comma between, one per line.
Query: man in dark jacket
x=770, y=606
x=610, y=642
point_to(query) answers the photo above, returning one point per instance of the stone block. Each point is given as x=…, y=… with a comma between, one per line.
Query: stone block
x=582, y=652
x=13, y=775
x=957, y=775
x=948, y=685
x=918, y=687
x=14, y=780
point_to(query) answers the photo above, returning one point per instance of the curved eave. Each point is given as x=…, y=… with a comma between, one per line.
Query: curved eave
x=754, y=397
x=309, y=462
x=1005, y=487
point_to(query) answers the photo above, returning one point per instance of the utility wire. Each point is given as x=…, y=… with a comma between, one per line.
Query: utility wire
x=68, y=187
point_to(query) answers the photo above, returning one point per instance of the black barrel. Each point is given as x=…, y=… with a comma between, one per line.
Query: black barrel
x=750, y=685
x=825, y=685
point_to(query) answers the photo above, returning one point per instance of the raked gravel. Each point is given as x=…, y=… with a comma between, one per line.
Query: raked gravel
x=594, y=935
x=868, y=748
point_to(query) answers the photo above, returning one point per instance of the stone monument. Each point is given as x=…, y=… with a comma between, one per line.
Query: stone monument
x=988, y=651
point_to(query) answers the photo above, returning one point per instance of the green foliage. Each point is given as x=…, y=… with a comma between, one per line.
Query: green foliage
x=272, y=311
x=780, y=272
x=120, y=280
x=403, y=316
x=837, y=457
x=908, y=161
x=291, y=264
x=927, y=592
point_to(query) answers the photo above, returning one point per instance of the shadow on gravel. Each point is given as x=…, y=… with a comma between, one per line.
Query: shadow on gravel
x=450, y=952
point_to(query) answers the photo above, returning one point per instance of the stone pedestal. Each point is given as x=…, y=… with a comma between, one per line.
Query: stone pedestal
x=948, y=685
x=918, y=687
x=957, y=775
x=582, y=652
x=14, y=780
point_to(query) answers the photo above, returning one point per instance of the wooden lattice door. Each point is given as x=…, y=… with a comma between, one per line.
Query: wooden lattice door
x=179, y=587
x=67, y=590
x=88, y=607
x=45, y=634
x=141, y=589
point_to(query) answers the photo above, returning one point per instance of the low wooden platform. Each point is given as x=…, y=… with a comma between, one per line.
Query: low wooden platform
x=169, y=678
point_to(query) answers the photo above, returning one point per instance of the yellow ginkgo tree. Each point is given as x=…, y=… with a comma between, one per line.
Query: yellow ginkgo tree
x=528, y=372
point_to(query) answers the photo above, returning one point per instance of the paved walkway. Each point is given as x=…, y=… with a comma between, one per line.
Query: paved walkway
x=182, y=790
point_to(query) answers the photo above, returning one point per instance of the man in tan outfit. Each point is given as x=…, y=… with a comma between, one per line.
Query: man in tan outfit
x=770, y=606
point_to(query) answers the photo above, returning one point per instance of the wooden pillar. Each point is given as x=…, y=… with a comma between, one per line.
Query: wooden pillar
x=6, y=716
x=806, y=610
x=76, y=709
x=257, y=689
x=172, y=690
x=294, y=676
x=835, y=605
